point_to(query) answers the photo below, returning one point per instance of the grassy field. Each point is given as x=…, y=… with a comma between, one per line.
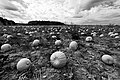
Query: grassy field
x=82, y=64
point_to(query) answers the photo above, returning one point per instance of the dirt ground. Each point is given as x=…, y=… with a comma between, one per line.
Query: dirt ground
x=83, y=64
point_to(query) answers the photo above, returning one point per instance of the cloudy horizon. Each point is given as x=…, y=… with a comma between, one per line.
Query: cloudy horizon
x=78, y=12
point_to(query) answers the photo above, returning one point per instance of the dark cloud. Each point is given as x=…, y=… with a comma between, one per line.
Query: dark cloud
x=5, y=4
x=77, y=16
x=10, y=8
x=88, y=4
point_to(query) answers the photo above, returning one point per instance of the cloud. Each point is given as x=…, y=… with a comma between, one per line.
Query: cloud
x=95, y=12
x=5, y=4
x=101, y=15
x=117, y=2
x=75, y=11
x=88, y=4
x=17, y=13
x=85, y=5
x=112, y=16
x=50, y=9
x=21, y=2
x=101, y=22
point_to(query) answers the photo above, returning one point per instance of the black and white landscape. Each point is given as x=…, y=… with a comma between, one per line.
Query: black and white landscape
x=59, y=39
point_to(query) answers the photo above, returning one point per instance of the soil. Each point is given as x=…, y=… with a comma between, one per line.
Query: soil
x=82, y=64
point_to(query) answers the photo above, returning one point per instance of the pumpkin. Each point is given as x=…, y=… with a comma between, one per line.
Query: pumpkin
x=107, y=59
x=89, y=38
x=58, y=42
x=23, y=64
x=58, y=59
x=73, y=45
x=35, y=42
x=6, y=47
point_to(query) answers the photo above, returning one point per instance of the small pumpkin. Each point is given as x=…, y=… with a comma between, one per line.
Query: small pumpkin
x=6, y=47
x=23, y=64
x=107, y=59
x=36, y=42
x=89, y=38
x=73, y=45
x=58, y=42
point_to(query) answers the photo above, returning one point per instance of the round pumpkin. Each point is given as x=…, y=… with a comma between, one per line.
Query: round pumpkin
x=58, y=42
x=107, y=59
x=101, y=35
x=58, y=59
x=54, y=37
x=73, y=45
x=117, y=37
x=89, y=38
x=9, y=36
x=36, y=42
x=23, y=64
x=6, y=47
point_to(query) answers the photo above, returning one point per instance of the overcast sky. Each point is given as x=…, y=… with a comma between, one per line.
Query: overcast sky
x=75, y=11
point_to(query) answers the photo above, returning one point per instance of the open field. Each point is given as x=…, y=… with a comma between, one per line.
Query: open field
x=84, y=63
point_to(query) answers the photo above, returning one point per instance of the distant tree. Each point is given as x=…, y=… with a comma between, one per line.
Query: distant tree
x=6, y=22
x=45, y=23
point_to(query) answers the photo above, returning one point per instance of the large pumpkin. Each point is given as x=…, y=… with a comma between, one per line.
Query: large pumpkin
x=58, y=59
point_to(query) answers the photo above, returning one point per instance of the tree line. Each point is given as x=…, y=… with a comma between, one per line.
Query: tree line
x=6, y=22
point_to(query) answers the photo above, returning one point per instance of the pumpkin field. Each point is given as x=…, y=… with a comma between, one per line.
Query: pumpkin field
x=62, y=52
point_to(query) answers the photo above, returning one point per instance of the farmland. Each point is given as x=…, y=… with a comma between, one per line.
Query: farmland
x=84, y=63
